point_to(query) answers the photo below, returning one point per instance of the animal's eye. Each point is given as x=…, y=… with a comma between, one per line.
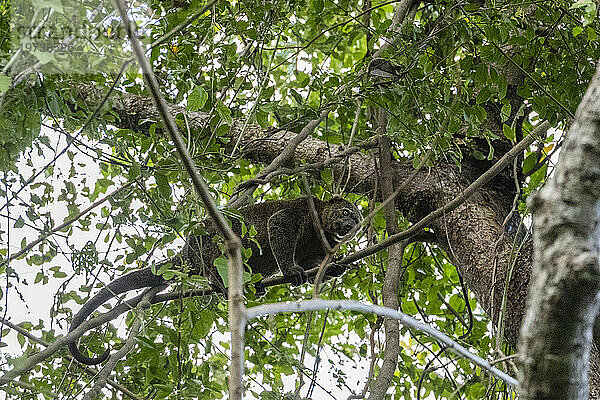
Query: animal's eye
x=345, y=213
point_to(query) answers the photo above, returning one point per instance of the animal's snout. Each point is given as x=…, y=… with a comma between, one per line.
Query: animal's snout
x=347, y=226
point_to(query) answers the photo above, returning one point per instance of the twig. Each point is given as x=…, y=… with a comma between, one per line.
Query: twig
x=34, y=389
x=460, y=199
x=63, y=225
x=280, y=159
x=374, y=329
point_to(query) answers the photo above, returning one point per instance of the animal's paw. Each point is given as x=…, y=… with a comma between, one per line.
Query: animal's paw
x=296, y=275
x=334, y=269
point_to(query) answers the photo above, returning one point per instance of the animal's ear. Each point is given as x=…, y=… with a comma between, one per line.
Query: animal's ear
x=337, y=198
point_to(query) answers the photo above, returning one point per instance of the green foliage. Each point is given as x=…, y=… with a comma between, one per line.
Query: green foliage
x=275, y=64
x=20, y=123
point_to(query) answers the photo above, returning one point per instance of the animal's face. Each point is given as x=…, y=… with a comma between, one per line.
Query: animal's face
x=339, y=217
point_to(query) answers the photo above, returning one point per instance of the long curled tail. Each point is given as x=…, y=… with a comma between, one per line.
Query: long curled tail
x=132, y=281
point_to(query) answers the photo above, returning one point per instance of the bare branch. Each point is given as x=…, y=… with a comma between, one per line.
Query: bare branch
x=342, y=305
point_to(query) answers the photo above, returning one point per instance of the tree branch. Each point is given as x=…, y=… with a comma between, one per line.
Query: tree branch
x=343, y=305
x=392, y=275
x=236, y=305
x=87, y=369
x=140, y=310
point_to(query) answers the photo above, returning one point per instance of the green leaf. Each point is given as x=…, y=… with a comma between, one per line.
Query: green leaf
x=296, y=96
x=134, y=171
x=5, y=83
x=483, y=95
x=221, y=265
x=203, y=324
x=478, y=155
x=577, y=30
x=54, y=4
x=197, y=99
x=224, y=112
x=529, y=162
x=162, y=182
x=317, y=5
x=502, y=87
x=536, y=178
x=326, y=175
x=509, y=132
x=267, y=93
x=20, y=222
x=505, y=112
x=580, y=3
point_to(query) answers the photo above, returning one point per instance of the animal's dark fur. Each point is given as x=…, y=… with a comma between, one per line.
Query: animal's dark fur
x=288, y=243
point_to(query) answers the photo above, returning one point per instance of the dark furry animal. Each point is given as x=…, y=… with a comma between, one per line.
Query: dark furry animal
x=288, y=243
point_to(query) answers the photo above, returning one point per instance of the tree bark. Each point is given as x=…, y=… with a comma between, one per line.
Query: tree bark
x=564, y=297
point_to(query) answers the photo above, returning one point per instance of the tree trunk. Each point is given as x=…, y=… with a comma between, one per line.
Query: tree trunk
x=564, y=297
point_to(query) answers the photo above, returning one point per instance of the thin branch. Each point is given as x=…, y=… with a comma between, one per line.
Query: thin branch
x=96, y=112
x=400, y=12
x=183, y=25
x=280, y=159
x=374, y=329
x=301, y=372
x=237, y=317
x=460, y=199
x=87, y=370
x=408, y=321
x=35, y=359
x=340, y=24
x=64, y=224
x=140, y=310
